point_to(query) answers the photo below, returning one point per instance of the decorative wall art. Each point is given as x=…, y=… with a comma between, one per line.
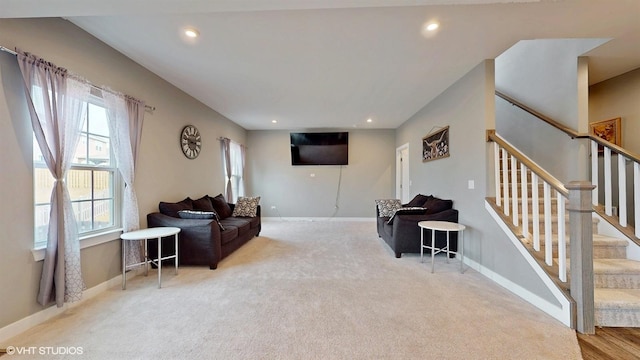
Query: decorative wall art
x=436, y=145
x=610, y=130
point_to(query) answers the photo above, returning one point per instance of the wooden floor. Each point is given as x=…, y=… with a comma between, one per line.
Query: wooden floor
x=611, y=344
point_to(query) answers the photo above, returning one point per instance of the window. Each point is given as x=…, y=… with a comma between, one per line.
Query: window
x=92, y=180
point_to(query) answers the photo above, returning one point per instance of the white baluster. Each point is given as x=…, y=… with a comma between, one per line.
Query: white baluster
x=535, y=211
x=525, y=200
x=636, y=197
x=622, y=190
x=607, y=182
x=548, y=234
x=505, y=181
x=496, y=165
x=514, y=189
x=594, y=172
x=562, y=240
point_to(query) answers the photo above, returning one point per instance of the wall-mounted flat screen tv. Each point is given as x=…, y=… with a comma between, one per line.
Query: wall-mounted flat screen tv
x=321, y=148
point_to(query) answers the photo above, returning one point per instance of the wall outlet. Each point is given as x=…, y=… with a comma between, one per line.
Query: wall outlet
x=471, y=184
x=273, y=207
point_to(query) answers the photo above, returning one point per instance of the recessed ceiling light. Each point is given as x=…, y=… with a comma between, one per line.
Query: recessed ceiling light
x=369, y=120
x=274, y=121
x=432, y=27
x=192, y=33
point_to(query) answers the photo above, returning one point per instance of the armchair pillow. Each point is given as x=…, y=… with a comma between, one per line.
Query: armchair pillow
x=203, y=204
x=435, y=205
x=246, y=206
x=221, y=206
x=418, y=200
x=171, y=209
x=387, y=207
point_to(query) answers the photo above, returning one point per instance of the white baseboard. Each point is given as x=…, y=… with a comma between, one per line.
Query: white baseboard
x=561, y=312
x=276, y=218
x=32, y=320
x=553, y=310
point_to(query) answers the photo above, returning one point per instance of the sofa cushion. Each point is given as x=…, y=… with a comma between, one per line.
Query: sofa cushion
x=229, y=234
x=196, y=214
x=407, y=210
x=204, y=204
x=246, y=206
x=435, y=205
x=221, y=206
x=243, y=225
x=418, y=200
x=171, y=209
x=386, y=207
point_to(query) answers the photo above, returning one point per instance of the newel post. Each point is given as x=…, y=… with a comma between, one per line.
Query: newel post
x=581, y=235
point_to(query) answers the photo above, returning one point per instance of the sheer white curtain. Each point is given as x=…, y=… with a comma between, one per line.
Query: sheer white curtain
x=233, y=162
x=237, y=169
x=125, y=125
x=57, y=105
x=225, y=147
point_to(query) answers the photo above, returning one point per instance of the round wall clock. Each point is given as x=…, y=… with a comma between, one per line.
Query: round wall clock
x=190, y=142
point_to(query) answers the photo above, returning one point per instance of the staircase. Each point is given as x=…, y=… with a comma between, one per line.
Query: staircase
x=616, y=278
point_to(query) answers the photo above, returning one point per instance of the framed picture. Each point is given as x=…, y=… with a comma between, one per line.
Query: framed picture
x=610, y=130
x=436, y=145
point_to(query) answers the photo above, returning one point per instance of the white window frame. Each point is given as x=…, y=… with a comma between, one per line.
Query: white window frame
x=96, y=236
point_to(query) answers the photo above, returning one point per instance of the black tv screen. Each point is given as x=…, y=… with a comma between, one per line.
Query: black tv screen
x=326, y=148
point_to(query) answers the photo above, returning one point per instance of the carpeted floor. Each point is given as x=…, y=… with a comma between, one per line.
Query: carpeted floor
x=309, y=290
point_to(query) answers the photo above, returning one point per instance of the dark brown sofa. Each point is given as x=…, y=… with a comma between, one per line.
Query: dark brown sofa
x=203, y=241
x=402, y=233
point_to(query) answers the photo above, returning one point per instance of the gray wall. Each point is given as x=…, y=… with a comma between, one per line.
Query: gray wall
x=547, y=76
x=619, y=97
x=163, y=172
x=468, y=108
x=310, y=191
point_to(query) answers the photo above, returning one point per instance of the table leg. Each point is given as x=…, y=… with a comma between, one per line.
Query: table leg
x=124, y=267
x=433, y=247
x=146, y=257
x=159, y=262
x=176, y=259
x=461, y=244
x=421, y=245
x=448, y=246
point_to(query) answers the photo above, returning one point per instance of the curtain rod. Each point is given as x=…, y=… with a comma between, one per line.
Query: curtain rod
x=146, y=107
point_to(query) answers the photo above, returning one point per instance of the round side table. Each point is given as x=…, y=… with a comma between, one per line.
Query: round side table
x=146, y=234
x=447, y=227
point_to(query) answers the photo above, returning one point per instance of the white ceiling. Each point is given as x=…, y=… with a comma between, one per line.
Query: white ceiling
x=335, y=63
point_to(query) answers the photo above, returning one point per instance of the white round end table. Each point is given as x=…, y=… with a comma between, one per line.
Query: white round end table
x=146, y=234
x=448, y=227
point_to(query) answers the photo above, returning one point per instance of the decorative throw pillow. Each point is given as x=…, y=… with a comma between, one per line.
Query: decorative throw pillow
x=221, y=206
x=407, y=210
x=418, y=200
x=435, y=205
x=386, y=207
x=246, y=206
x=171, y=209
x=204, y=204
x=196, y=214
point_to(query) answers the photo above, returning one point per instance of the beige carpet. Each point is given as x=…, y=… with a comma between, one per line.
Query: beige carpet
x=309, y=290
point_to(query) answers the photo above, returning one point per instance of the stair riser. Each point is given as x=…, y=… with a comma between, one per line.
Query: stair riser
x=617, y=317
x=599, y=252
x=617, y=281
